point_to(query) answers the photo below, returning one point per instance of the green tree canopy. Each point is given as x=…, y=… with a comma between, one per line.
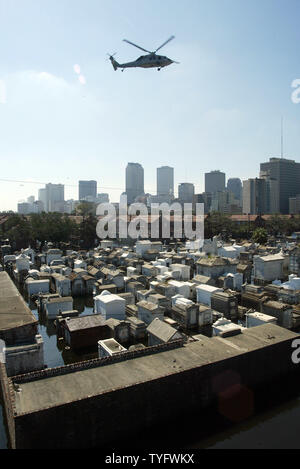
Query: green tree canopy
x=260, y=235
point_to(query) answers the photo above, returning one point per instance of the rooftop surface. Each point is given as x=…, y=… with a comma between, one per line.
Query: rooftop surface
x=66, y=388
x=208, y=288
x=14, y=312
x=85, y=322
x=271, y=257
x=109, y=298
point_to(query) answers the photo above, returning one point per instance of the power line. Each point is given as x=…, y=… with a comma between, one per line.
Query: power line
x=17, y=181
x=44, y=183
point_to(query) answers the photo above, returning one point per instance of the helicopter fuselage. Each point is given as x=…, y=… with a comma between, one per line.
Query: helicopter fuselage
x=148, y=61
x=151, y=60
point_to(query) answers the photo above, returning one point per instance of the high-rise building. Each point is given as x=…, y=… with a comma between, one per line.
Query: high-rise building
x=134, y=181
x=255, y=196
x=204, y=198
x=215, y=181
x=225, y=202
x=55, y=197
x=165, y=182
x=186, y=192
x=87, y=189
x=235, y=186
x=24, y=208
x=272, y=193
x=294, y=205
x=42, y=197
x=70, y=206
x=31, y=199
x=102, y=198
x=287, y=173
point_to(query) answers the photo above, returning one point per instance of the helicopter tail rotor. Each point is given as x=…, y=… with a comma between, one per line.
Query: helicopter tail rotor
x=113, y=61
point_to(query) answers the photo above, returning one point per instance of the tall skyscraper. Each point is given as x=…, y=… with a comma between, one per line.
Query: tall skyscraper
x=165, y=182
x=255, y=196
x=134, y=181
x=272, y=193
x=42, y=197
x=234, y=185
x=287, y=173
x=186, y=192
x=87, y=189
x=54, y=197
x=215, y=181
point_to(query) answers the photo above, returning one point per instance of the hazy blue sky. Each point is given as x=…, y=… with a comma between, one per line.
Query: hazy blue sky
x=219, y=109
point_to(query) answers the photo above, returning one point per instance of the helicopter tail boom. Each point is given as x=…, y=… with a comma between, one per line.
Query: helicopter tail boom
x=114, y=63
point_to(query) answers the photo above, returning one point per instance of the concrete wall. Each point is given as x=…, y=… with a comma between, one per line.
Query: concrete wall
x=37, y=286
x=25, y=358
x=63, y=286
x=138, y=407
x=19, y=335
x=7, y=397
x=53, y=308
x=267, y=271
x=148, y=316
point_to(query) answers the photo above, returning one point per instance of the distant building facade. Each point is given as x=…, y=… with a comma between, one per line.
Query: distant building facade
x=225, y=202
x=261, y=195
x=294, y=205
x=165, y=182
x=254, y=196
x=102, y=198
x=134, y=181
x=25, y=208
x=215, y=181
x=287, y=173
x=42, y=197
x=52, y=197
x=87, y=189
x=186, y=192
x=235, y=186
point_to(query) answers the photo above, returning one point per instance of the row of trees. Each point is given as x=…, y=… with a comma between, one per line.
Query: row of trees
x=55, y=227
x=217, y=223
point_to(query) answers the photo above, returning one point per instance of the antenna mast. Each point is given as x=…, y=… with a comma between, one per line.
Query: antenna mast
x=281, y=137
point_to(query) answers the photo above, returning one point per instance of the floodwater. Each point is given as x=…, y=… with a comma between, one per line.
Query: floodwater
x=275, y=423
x=278, y=428
x=55, y=352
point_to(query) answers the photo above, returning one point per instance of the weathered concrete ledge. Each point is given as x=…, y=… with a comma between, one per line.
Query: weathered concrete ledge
x=17, y=322
x=94, y=406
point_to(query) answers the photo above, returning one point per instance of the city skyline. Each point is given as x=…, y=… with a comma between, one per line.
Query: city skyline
x=66, y=115
x=275, y=190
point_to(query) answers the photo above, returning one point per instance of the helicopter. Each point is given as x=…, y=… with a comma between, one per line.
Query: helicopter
x=152, y=60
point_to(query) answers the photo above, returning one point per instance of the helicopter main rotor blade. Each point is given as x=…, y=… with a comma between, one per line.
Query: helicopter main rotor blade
x=135, y=45
x=170, y=39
